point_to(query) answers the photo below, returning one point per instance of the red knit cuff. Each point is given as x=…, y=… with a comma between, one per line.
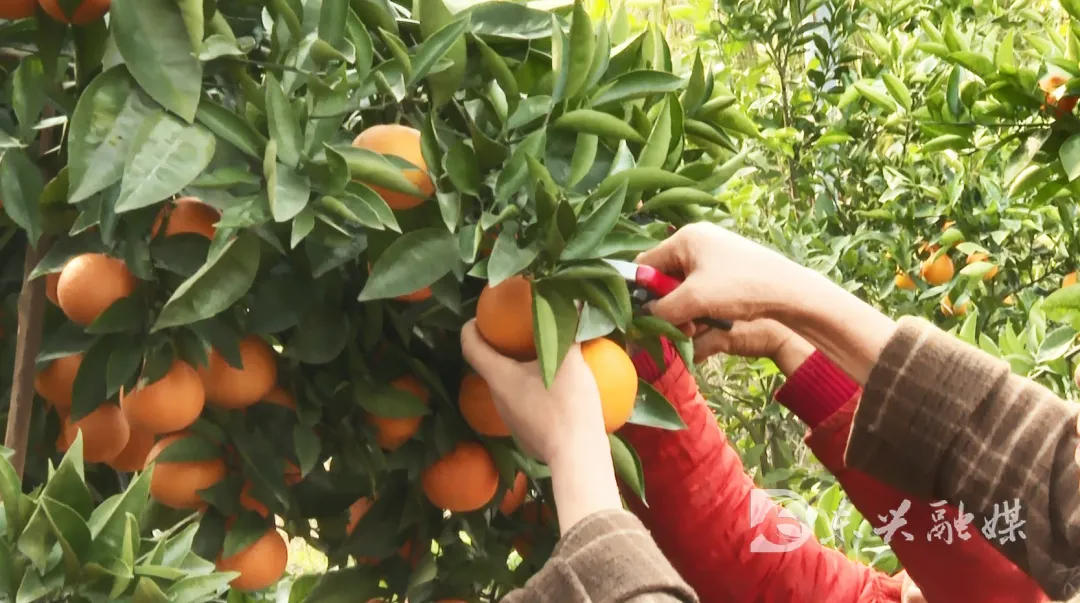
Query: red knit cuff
x=646, y=366
x=816, y=390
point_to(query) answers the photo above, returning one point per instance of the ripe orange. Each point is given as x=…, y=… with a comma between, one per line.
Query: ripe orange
x=979, y=256
x=948, y=310
x=515, y=495
x=235, y=388
x=186, y=215
x=474, y=400
x=939, y=271
x=87, y=11
x=463, y=480
x=260, y=564
x=615, y=377
x=177, y=484
x=392, y=432
x=281, y=397
x=90, y=283
x=16, y=9
x=403, y=142
x=1049, y=85
x=133, y=456
x=904, y=281
x=357, y=510
x=247, y=501
x=55, y=382
x=51, y=281
x=105, y=433
x=416, y=296
x=505, y=320
x=1069, y=280
x=169, y=404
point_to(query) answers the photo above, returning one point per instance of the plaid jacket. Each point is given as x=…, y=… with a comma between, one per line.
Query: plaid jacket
x=941, y=419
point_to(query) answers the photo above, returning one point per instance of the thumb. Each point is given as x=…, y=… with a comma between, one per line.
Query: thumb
x=484, y=359
x=667, y=257
x=682, y=305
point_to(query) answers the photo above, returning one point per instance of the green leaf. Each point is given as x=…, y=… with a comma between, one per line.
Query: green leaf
x=597, y=225
x=498, y=68
x=897, y=89
x=287, y=190
x=223, y=279
x=734, y=120
x=1063, y=305
x=189, y=448
x=229, y=127
x=164, y=64
x=582, y=160
x=109, y=521
x=1056, y=344
x=655, y=151
x=875, y=96
x=530, y=109
x=555, y=324
x=284, y=126
x=413, y=261
x=308, y=446
x=598, y=123
x=28, y=94
x=434, y=19
x=461, y=167
x=11, y=490
x=627, y=465
x=333, y=17
x=373, y=168
x=435, y=47
x=21, y=185
x=973, y=62
x=1005, y=56
x=1070, y=157
x=165, y=156
x=32, y=589
x=390, y=402
x=193, y=589
x=945, y=141
x=642, y=178
x=147, y=591
x=507, y=259
x=654, y=410
x=70, y=531
x=678, y=196
x=582, y=46
x=636, y=84
x=694, y=95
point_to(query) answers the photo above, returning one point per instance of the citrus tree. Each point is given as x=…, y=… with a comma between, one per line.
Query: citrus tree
x=245, y=235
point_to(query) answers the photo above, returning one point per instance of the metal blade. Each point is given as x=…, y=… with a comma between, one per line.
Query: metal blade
x=627, y=270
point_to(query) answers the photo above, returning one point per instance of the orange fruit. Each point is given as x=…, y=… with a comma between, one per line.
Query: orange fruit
x=186, y=215
x=1009, y=300
x=105, y=433
x=133, y=456
x=235, y=388
x=169, y=404
x=247, y=501
x=1049, y=85
x=515, y=495
x=357, y=510
x=416, y=296
x=54, y=383
x=939, y=271
x=948, y=310
x=463, y=480
x=90, y=283
x=403, y=142
x=177, y=484
x=260, y=564
x=281, y=397
x=615, y=377
x=505, y=320
x=51, y=281
x=87, y=11
x=904, y=281
x=16, y=9
x=979, y=256
x=392, y=432
x=1069, y=280
x=292, y=474
x=474, y=400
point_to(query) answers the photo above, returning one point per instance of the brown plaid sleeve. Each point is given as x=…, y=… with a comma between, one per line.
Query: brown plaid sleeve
x=942, y=419
x=607, y=557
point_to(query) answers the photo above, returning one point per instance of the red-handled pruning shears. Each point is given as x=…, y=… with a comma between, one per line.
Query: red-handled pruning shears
x=653, y=284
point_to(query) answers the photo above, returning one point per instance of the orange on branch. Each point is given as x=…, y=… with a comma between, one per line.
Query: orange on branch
x=186, y=215
x=90, y=283
x=235, y=388
x=260, y=565
x=939, y=271
x=478, y=408
x=85, y=12
x=464, y=480
x=249, y=502
x=416, y=296
x=55, y=381
x=404, y=142
x=177, y=484
x=904, y=281
x=515, y=496
x=948, y=309
x=16, y=9
x=105, y=433
x=357, y=510
x=169, y=404
x=392, y=432
x=979, y=256
x=133, y=456
x=504, y=318
x=616, y=379
x=1069, y=280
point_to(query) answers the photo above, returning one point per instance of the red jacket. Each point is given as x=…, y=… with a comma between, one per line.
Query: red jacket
x=701, y=500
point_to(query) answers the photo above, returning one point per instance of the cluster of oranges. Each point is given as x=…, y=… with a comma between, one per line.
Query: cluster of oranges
x=87, y=11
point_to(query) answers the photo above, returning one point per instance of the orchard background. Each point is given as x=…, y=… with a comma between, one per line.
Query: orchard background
x=925, y=155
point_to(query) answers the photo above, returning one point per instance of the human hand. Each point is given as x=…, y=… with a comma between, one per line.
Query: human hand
x=724, y=276
x=760, y=338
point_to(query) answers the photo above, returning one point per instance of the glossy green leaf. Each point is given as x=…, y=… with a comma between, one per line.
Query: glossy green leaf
x=437, y=25
x=372, y=168
x=435, y=47
x=654, y=410
x=21, y=185
x=627, y=466
x=28, y=94
x=555, y=325
x=582, y=160
x=413, y=261
x=582, y=47
x=598, y=123
x=678, y=196
x=225, y=277
x=165, y=156
x=636, y=84
x=288, y=192
x=284, y=126
x=593, y=228
x=1070, y=157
